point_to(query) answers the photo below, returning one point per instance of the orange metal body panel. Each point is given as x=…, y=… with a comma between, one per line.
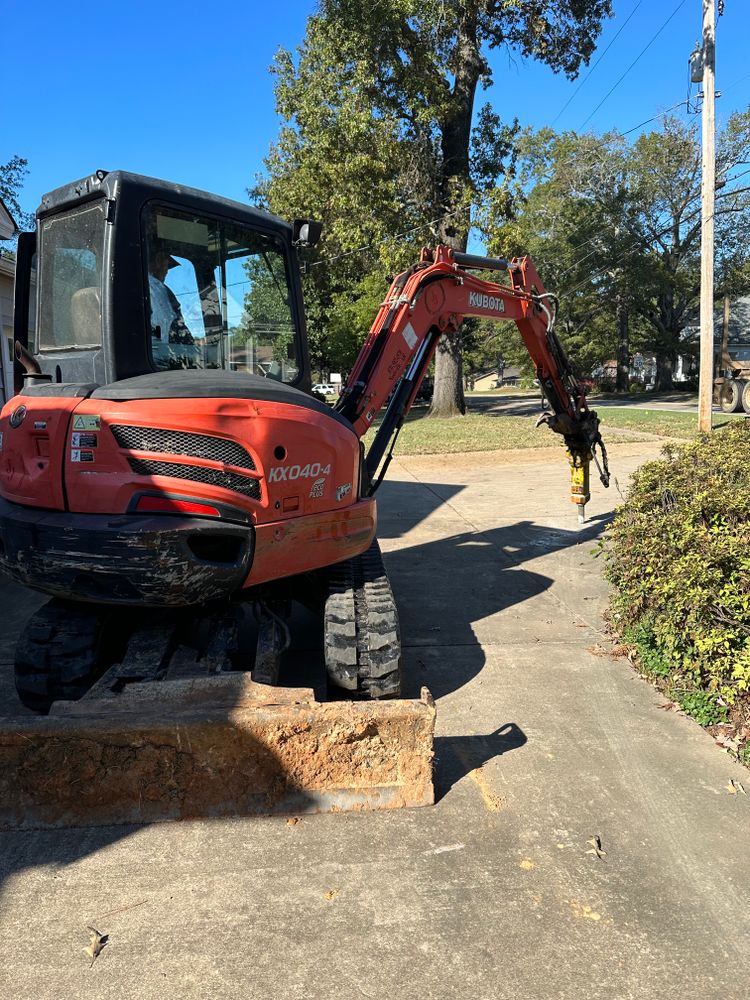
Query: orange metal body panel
x=307, y=515
x=30, y=469
x=309, y=441
x=306, y=543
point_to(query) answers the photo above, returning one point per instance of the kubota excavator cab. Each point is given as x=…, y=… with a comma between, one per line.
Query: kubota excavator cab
x=163, y=448
x=163, y=337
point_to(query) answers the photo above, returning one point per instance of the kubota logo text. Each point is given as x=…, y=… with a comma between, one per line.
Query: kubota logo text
x=491, y=302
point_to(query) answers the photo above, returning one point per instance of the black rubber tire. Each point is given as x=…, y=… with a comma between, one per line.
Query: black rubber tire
x=362, y=637
x=730, y=395
x=61, y=652
x=746, y=397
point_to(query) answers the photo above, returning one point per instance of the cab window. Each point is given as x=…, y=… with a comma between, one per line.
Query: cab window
x=71, y=252
x=218, y=296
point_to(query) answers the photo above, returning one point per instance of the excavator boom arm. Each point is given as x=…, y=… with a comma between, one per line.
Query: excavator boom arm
x=433, y=298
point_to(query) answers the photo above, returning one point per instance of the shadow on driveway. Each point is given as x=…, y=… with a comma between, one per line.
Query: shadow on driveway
x=443, y=586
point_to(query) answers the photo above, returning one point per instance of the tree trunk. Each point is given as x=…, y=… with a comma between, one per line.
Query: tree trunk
x=623, y=346
x=664, y=371
x=448, y=395
x=448, y=399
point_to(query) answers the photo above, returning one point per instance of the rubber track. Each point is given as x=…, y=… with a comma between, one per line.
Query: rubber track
x=362, y=641
x=59, y=654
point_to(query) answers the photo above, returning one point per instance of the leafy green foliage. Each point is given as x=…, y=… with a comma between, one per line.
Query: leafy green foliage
x=379, y=138
x=703, y=707
x=678, y=555
x=614, y=229
x=12, y=175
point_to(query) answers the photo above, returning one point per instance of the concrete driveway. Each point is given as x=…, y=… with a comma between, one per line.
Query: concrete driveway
x=495, y=892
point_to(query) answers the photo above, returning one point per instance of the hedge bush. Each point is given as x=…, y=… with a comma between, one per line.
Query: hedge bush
x=678, y=554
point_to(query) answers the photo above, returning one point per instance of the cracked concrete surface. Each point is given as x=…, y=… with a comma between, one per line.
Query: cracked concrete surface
x=496, y=891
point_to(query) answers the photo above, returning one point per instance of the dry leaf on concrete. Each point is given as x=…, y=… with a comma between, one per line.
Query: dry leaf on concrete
x=733, y=787
x=597, y=650
x=596, y=847
x=97, y=941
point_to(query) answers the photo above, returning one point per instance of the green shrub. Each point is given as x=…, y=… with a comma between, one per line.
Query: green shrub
x=678, y=555
x=703, y=707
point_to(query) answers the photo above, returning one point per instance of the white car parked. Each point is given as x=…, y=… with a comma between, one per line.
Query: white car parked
x=326, y=388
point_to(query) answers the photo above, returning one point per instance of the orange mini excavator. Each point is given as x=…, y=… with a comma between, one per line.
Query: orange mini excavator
x=164, y=465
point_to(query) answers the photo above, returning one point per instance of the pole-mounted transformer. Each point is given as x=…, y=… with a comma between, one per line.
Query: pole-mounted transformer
x=696, y=64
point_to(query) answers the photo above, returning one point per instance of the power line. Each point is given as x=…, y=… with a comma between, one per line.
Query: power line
x=596, y=63
x=734, y=83
x=641, y=53
x=665, y=112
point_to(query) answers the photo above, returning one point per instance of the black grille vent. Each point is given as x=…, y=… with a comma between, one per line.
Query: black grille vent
x=198, y=474
x=182, y=443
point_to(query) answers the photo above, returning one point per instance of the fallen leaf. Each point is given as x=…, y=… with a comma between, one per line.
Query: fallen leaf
x=596, y=847
x=292, y=821
x=331, y=894
x=527, y=864
x=581, y=910
x=97, y=941
x=735, y=786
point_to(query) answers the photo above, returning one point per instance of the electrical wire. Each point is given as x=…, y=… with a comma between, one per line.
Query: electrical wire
x=665, y=112
x=622, y=28
x=641, y=53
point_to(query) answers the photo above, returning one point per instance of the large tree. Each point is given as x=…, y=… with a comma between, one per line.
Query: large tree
x=616, y=228
x=572, y=216
x=414, y=69
x=665, y=195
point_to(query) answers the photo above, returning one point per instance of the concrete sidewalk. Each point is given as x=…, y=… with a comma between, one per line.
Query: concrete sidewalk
x=495, y=892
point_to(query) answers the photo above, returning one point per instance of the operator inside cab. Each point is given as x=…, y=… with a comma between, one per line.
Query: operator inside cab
x=169, y=331
x=218, y=296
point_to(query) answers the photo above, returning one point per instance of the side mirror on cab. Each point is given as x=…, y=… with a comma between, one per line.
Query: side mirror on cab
x=306, y=232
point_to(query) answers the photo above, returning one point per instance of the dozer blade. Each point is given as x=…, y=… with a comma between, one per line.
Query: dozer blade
x=212, y=746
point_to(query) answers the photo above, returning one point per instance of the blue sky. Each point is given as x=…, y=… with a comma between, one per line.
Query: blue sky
x=182, y=90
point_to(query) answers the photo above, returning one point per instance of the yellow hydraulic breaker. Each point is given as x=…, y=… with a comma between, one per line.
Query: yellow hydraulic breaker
x=579, y=480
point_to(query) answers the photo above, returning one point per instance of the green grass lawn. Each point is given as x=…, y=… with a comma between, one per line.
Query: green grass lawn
x=498, y=432
x=473, y=432
x=661, y=422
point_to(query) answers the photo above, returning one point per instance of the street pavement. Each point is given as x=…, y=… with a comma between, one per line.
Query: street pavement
x=546, y=747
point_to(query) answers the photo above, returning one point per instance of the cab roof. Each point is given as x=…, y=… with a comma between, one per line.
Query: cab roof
x=109, y=184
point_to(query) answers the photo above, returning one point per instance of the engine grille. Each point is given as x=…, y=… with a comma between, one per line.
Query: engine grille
x=198, y=474
x=182, y=443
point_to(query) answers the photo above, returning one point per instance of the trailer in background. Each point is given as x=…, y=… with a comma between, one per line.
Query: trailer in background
x=732, y=382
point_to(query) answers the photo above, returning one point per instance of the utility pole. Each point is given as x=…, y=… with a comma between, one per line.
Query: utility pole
x=708, y=186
